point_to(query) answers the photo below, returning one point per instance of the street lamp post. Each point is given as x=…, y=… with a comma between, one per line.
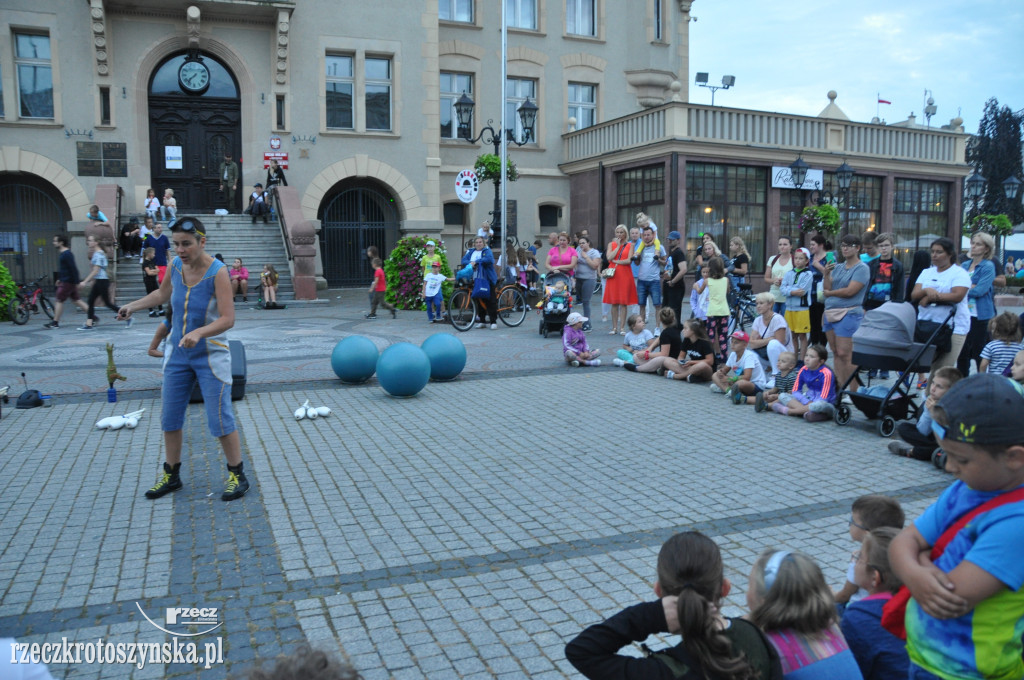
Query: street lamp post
x=844, y=176
x=975, y=188
x=527, y=116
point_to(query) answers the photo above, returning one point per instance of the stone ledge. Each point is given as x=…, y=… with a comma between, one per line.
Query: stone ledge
x=1009, y=301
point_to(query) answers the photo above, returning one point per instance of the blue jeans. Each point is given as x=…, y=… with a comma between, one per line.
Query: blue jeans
x=434, y=302
x=779, y=308
x=645, y=288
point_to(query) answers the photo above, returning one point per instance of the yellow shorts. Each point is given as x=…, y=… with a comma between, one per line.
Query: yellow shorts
x=799, y=321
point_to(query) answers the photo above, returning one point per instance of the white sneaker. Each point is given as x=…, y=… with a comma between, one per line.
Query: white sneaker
x=480, y=325
x=596, y=362
x=670, y=374
x=716, y=389
x=618, y=362
x=494, y=326
x=575, y=364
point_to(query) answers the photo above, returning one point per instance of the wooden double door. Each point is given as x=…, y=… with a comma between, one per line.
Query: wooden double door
x=188, y=137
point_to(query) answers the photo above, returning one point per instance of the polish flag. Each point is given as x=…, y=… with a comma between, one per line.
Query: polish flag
x=884, y=101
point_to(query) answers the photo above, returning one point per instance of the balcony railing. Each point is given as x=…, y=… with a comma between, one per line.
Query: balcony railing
x=717, y=125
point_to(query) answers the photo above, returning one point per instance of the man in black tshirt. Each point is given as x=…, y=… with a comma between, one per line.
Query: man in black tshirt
x=67, y=281
x=673, y=287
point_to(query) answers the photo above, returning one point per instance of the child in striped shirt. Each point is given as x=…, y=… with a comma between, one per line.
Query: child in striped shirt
x=998, y=354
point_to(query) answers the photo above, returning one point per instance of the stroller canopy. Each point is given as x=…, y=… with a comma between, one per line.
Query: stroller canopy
x=889, y=326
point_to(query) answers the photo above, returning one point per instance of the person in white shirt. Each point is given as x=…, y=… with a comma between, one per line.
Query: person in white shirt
x=942, y=285
x=432, y=293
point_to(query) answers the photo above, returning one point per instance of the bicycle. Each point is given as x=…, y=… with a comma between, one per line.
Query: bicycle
x=743, y=310
x=511, y=306
x=28, y=301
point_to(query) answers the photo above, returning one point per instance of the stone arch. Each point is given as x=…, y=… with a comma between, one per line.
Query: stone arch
x=460, y=48
x=151, y=58
x=15, y=159
x=527, y=54
x=360, y=165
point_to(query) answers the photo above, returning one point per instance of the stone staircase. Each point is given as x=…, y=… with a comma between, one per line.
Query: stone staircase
x=232, y=236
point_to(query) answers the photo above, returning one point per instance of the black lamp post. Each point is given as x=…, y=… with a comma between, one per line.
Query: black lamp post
x=975, y=187
x=527, y=116
x=844, y=176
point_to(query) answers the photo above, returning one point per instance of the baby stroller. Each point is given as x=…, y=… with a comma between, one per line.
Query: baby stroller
x=885, y=341
x=556, y=303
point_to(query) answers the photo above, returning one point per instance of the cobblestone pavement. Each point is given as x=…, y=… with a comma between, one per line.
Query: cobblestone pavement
x=468, y=532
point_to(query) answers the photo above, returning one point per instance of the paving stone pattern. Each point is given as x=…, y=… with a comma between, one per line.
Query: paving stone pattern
x=468, y=532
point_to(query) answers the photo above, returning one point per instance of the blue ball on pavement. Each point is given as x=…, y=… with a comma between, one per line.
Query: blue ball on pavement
x=447, y=356
x=403, y=369
x=354, y=359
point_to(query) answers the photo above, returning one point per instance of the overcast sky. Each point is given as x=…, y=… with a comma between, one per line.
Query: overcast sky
x=787, y=56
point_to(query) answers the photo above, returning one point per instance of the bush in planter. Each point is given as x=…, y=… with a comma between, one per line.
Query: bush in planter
x=488, y=168
x=823, y=218
x=404, y=272
x=7, y=291
x=997, y=225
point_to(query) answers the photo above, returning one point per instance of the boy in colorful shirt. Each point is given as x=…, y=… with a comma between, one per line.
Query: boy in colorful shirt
x=966, y=614
x=377, y=290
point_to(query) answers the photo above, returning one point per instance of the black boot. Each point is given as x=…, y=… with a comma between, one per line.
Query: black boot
x=237, y=484
x=169, y=481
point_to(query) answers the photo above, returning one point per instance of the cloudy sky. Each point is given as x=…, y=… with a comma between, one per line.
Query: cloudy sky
x=787, y=56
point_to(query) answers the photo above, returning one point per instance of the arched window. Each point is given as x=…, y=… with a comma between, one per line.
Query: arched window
x=165, y=79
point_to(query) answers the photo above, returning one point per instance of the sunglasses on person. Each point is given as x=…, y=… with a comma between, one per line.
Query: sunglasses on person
x=187, y=226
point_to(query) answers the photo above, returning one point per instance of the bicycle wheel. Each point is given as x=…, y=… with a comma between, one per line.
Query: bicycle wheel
x=512, y=307
x=18, y=310
x=46, y=306
x=461, y=310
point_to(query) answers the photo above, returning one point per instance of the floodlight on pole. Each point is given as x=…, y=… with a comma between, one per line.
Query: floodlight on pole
x=702, y=81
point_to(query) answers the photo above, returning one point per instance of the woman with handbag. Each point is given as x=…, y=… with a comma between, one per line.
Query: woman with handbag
x=769, y=334
x=845, y=284
x=619, y=287
x=481, y=259
x=942, y=285
x=586, y=275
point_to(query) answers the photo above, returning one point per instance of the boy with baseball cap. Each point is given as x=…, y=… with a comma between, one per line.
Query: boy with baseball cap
x=742, y=374
x=432, y=293
x=963, y=559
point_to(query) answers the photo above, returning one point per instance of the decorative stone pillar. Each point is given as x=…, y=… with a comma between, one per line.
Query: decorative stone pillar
x=97, y=16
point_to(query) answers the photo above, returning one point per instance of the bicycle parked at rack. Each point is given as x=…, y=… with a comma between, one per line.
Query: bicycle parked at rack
x=511, y=306
x=28, y=301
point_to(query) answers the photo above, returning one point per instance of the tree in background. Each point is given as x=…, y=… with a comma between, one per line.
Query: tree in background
x=996, y=153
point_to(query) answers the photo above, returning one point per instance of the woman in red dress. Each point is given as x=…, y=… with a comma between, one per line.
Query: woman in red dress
x=620, y=289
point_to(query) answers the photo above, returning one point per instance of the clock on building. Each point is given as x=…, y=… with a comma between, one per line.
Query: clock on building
x=194, y=77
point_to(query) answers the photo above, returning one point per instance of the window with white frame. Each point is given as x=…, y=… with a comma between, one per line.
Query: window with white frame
x=583, y=104
x=378, y=93
x=340, y=88
x=517, y=91
x=580, y=17
x=452, y=87
x=456, y=10
x=35, y=75
x=521, y=14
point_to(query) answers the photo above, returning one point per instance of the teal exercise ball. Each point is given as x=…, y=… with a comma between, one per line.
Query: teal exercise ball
x=403, y=369
x=447, y=356
x=354, y=359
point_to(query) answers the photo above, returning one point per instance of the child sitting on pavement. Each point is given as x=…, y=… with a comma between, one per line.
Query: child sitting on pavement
x=663, y=352
x=868, y=513
x=742, y=374
x=574, y=343
x=879, y=653
x=962, y=561
x=814, y=392
x=697, y=359
x=918, y=440
x=637, y=340
x=784, y=379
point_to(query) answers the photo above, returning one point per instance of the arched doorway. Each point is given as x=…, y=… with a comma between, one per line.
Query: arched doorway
x=194, y=118
x=359, y=214
x=34, y=211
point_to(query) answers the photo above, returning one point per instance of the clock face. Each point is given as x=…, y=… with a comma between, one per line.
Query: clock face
x=193, y=76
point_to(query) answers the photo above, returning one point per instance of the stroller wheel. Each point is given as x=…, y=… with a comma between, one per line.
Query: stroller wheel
x=886, y=426
x=939, y=459
x=842, y=416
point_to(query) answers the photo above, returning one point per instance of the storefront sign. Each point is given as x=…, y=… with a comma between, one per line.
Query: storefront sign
x=280, y=156
x=172, y=158
x=782, y=178
x=467, y=185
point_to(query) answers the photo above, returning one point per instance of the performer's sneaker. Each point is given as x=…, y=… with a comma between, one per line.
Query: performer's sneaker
x=169, y=481
x=236, y=487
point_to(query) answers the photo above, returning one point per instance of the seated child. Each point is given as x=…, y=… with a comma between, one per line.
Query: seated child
x=663, y=352
x=557, y=298
x=574, y=343
x=790, y=601
x=868, y=513
x=965, y=615
x=697, y=358
x=879, y=653
x=690, y=588
x=814, y=392
x=1016, y=369
x=268, y=281
x=918, y=440
x=998, y=354
x=781, y=381
x=741, y=376
x=636, y=341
